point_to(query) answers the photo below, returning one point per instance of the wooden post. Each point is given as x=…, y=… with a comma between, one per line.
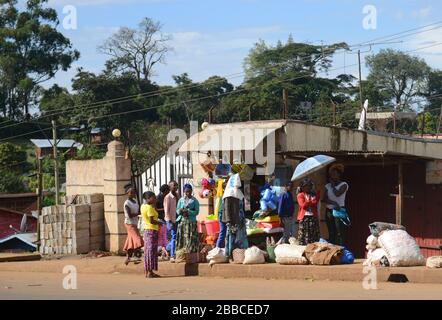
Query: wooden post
x=39, y=198
x=400, y=196
x=54, y=147
x=285, y=100
x=334, y=113
x=439, y=122
x=360, y=80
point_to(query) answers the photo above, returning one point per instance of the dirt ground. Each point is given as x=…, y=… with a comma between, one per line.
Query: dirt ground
x=36, y=285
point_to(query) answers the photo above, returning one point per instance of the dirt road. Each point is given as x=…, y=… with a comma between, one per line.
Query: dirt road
x=35, y=285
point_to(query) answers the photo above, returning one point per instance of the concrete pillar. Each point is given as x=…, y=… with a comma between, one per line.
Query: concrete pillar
x=116, y=174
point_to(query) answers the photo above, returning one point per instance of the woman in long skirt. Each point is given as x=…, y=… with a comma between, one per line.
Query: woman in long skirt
x=187, y=231
x=162, y=228
x=308, y=213
x=133, y=242
x=150, y=221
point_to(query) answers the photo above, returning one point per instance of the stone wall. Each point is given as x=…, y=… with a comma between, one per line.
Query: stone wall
x=73, y=228
x=106, y=176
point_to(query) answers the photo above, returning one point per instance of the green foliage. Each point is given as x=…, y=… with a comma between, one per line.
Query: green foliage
x=427, y=123
x=12, y=165
x=90, y=152
x=148, y=142
x=398, y=76
x=31, y=52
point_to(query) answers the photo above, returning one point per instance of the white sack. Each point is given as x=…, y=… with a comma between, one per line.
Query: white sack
x=217, y=255
x=434, y=262
x=401, y=249
x=254, y=255
x=289, y=251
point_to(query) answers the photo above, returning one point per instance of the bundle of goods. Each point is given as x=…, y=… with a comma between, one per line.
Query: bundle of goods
x=391, y=245
x=323, y=253
x=376, y=256
x=269, y=198
x=377, y=227
x=208, y=188
x=401, y=249
x=270, y=248
x=290, y=254
x=238, y=255
x=183, y=256
x=347, y=256
x=245, y=172
x=254, y=255
x=217, y=255
x=434, y=262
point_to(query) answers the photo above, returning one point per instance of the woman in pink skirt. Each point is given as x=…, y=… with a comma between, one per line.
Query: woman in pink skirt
x=131, y=211
x=162, y=228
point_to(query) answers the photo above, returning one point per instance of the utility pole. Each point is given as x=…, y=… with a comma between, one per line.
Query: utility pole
x=39, y=197
x=423, y=124
x=285, y=102
x=54, y=147
x=439, y=122
x=360, y=79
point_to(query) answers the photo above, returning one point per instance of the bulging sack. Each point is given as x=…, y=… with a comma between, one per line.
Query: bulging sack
x=217, y=255
x=292, y=261
x=434, y=262
x=401, y=249
x=254, y=255
x=289, y=251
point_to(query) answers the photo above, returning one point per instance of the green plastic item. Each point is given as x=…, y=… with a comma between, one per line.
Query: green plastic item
x=271, y=252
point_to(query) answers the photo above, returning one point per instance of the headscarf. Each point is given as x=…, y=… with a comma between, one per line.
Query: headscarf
x=232, y=188
x=304, y=183
x=187, y=200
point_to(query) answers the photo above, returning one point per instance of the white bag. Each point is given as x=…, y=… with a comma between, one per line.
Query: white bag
x=401, y=249
x=217, y=255
x=434, y=262
x=254, y=255
x=374, y=257
x=289, y=251
x=372, y=243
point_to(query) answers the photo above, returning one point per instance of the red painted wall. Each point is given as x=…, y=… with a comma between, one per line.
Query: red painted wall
x=369, y=200
x=14, y=219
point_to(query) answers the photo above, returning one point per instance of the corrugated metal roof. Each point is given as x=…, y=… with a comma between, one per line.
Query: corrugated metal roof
x=231, y=136
x=61, y=143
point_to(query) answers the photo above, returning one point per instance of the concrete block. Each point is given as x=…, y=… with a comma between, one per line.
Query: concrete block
x=96, y=228
x=80, y=226
x=97, y=211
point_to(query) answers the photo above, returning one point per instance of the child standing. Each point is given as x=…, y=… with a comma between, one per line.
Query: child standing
x=150, y=221
x=286, y=212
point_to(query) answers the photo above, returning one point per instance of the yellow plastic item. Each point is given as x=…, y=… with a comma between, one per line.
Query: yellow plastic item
x=268, y=219
x=219, y=195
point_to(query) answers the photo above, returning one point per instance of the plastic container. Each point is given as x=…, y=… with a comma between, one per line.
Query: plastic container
x=212, y=227
x=201, y=227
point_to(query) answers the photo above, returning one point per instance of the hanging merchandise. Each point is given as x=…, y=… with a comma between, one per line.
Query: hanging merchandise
x=208, y=165
x=219, y=195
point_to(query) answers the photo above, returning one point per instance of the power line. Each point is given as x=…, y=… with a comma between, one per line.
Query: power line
x=163, y=91
x=202, y=98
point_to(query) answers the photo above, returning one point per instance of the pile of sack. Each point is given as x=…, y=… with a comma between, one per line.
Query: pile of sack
x=390, y=245
x=252, y=255
x=317, y=253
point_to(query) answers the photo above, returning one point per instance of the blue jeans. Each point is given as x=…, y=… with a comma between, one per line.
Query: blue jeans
x=289, y=228
x=221, y=242
x=171, y=245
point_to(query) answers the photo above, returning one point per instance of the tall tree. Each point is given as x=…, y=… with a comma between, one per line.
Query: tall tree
x=136, y=50
x=31, y=52
x=399, y=76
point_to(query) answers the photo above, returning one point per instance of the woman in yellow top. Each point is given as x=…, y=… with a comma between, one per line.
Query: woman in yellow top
x=150, y=221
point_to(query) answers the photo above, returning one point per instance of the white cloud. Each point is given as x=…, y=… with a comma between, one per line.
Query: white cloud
x=431, y=39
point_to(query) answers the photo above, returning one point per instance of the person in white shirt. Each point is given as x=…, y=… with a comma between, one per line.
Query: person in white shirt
x=334, y=198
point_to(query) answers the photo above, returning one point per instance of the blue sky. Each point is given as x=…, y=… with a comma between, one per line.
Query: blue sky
x=213, y=37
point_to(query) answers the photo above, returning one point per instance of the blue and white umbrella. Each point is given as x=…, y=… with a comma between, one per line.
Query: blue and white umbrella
x=310, y=165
